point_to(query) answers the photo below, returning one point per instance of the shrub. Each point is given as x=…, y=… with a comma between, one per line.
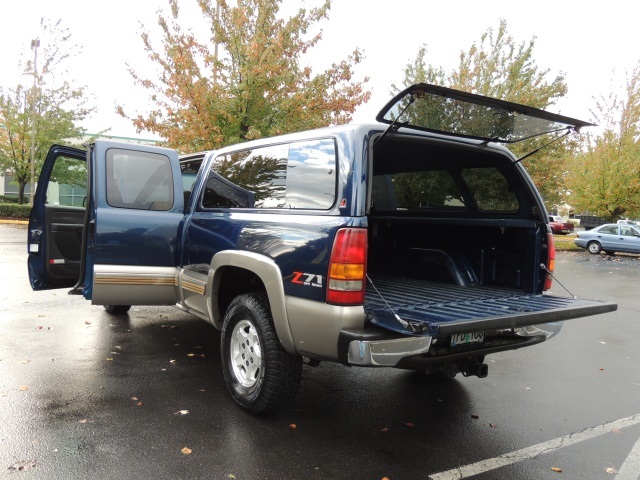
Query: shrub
x=8, y=199
x=13, y=210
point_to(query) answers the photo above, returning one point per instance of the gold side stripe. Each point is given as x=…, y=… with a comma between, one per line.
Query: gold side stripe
x=109, y=279
x=194, y=286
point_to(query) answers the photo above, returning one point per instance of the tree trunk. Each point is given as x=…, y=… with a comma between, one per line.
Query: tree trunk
x=21, y=193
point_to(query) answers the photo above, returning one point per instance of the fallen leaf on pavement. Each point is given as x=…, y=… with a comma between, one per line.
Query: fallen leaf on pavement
x=186, y=451
x=385, y=429
x=135, y=399
x=556, y=469
x=191, y=354
x=109, y=359
x=409, y=424
x=25, y=465
x=610, y=470
x=293, y=426
x=475, y=416
x=23, y=388
x=182, y=412
x=493, y=425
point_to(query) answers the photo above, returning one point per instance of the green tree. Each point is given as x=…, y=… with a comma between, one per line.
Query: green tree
x=497, y=66
x=57, y=107
x=247, y=80
x=605, y=178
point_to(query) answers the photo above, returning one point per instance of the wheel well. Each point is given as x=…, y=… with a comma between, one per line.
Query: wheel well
x=236, y=281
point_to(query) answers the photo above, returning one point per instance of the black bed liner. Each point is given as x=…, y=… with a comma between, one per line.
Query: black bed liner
x=445, y=309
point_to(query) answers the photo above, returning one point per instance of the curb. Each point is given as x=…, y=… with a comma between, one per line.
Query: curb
x=10, y=221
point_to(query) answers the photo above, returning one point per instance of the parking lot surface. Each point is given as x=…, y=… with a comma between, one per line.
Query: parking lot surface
x=87, y=395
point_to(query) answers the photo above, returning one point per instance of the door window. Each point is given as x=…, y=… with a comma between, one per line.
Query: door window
x=139, y=180
x=68, y=183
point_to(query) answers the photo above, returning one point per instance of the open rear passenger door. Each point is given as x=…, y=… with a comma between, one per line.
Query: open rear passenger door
x=57, y=218
x=119, y=246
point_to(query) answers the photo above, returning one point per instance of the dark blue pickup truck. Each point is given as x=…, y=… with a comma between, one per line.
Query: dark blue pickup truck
x=416, y=242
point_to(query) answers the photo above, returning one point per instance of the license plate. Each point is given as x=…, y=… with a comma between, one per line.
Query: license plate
x=467, y=338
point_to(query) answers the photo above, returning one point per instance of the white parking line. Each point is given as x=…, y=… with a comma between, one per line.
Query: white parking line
x=630, y=465
x=630, y=469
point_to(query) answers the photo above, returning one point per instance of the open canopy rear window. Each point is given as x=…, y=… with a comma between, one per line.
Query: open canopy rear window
x=444, y=110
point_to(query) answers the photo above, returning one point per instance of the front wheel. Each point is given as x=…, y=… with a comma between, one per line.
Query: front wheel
x=594, y=247
x=260, y=375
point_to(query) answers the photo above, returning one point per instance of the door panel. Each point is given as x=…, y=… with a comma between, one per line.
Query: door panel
x=64, y=248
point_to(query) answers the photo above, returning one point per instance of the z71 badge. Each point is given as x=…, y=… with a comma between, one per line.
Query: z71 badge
x=307, y=279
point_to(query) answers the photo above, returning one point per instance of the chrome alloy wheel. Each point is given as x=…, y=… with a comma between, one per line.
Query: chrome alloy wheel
x=245, y=353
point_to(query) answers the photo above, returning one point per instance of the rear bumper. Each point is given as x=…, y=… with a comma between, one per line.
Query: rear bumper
x=376, y=348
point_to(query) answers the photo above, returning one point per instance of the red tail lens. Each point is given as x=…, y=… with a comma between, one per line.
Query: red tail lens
x=348, y=267
x=551, y=261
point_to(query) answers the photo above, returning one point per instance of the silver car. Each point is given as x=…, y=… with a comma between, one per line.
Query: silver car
x=611, y=238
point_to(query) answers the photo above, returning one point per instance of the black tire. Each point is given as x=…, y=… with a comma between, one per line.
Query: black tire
x=117, y=309
x=609, y=252
x=260, y=375
x=594, y=247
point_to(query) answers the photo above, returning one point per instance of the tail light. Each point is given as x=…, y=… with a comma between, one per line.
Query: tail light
x=348, y=267
x=551, y=261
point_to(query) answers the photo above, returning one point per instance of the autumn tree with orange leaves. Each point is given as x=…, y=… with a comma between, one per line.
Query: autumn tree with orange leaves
x=247, y=80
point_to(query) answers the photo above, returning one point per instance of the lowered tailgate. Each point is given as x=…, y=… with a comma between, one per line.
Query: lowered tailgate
x=437, y=309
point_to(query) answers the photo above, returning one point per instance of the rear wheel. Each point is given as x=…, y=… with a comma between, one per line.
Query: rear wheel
x=117, y=309
x=260, y=375
x=594, y=247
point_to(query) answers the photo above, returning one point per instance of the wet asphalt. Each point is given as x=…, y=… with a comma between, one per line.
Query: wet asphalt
x=87, y=395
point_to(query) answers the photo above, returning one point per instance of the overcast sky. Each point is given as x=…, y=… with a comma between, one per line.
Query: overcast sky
x=593, y=47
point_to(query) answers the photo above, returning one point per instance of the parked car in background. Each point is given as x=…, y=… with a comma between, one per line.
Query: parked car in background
x=559, y=226
x=610, y=238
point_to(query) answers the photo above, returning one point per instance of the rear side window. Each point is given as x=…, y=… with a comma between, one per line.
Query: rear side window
x=490, y=190
x=300, y=175
x=139, y=180
x=610, y=229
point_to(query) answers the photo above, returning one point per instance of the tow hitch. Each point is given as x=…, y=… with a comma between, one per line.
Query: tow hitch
x=470, y=367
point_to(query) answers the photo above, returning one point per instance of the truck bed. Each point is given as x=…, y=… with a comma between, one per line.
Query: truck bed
x=438, y=309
